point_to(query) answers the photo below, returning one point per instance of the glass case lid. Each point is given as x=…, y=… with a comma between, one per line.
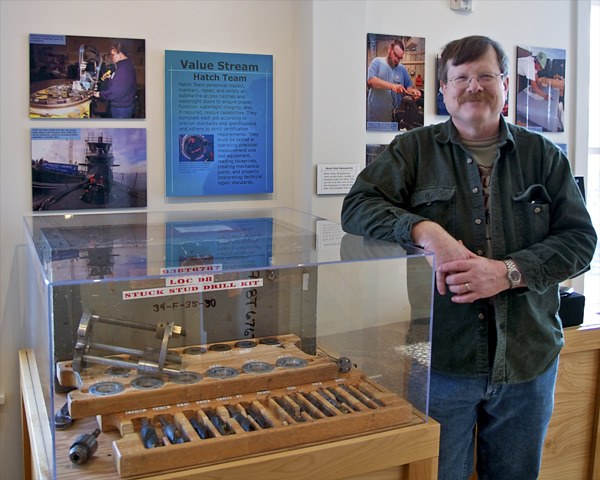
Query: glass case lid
x=81, y=248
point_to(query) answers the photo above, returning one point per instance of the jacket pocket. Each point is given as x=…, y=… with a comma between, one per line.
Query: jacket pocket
x=531, y=209
x=437, y=204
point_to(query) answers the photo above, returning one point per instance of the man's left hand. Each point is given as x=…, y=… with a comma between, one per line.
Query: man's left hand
x=474, y=278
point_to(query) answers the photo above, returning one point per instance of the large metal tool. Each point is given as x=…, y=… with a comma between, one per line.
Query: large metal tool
x=151, y=361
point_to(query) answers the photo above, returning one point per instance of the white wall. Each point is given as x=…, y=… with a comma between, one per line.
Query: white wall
x=319, y=57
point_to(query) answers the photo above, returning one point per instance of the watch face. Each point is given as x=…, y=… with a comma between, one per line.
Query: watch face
x=514, y=276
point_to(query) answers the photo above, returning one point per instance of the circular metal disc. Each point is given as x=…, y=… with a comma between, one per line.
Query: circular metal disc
x=219, y=347
x=106, y=388
x=291, y=362
x=257, y=367
x=186, y=378
x=162, y=355
x=222, y=372
x=147, y=383
x=194, y=350
x=270, y=341
x=245, y=344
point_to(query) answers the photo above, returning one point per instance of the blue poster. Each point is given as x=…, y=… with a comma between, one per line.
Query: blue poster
x=219, y=123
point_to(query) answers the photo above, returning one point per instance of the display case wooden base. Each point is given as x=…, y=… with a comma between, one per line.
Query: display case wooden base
x=408, y=451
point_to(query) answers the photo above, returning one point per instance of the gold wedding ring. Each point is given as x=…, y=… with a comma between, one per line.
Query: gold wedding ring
x=468, y=287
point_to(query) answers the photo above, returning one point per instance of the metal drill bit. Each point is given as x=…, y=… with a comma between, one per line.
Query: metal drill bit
x=333, y=401
x=302, y=402
x=369, y=395
x=202, y=430
x=257, y=416
x=218, y=422
x=319, y=404
x=359, y=396
x=171, y=431
x=289, y=409
x=241, y=419
x=341, y=399
x=149, y=436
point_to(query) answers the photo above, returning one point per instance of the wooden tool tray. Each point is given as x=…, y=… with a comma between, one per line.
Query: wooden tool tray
x=290, y=417
x=167, y=390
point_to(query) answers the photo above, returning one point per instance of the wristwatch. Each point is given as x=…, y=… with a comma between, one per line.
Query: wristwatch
x=513, y=274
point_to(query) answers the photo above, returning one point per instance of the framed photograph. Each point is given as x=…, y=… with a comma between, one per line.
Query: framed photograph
x=395, y=82
x=86, y=77
x=82, y=169
x=541, y=88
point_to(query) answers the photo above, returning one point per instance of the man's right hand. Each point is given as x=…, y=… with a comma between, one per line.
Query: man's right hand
x=432, y=237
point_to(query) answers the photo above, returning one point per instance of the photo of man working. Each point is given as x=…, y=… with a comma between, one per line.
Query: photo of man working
x=540, y=88
x=391, y=94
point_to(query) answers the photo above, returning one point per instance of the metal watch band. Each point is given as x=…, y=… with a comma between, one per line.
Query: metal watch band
x=513, y=274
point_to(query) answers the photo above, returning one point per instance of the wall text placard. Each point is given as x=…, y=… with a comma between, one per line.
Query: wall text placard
x=335, y=179
x=219, y=123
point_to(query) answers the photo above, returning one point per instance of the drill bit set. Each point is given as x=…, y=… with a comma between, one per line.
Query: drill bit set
x=214, y=430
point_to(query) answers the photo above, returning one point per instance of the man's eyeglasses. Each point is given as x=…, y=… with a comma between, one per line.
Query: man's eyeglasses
x=395, y=55
x=484, y=79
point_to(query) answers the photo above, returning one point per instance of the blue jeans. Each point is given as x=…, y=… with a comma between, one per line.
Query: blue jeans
x=511, y=421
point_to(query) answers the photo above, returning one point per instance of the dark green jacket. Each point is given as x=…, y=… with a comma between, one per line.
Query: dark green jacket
x=537, y=217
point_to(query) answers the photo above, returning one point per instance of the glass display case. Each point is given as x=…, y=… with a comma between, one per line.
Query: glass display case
x=176, y=339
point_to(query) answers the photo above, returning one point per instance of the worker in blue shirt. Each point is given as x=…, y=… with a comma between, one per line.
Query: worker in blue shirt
x=122, y=86
x=388, y=81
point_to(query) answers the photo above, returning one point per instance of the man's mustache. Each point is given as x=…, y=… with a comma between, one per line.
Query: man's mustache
x=475, y=97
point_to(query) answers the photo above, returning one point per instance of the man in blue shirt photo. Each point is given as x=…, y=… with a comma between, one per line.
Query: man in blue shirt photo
x=122, y=84
x=388, y=82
